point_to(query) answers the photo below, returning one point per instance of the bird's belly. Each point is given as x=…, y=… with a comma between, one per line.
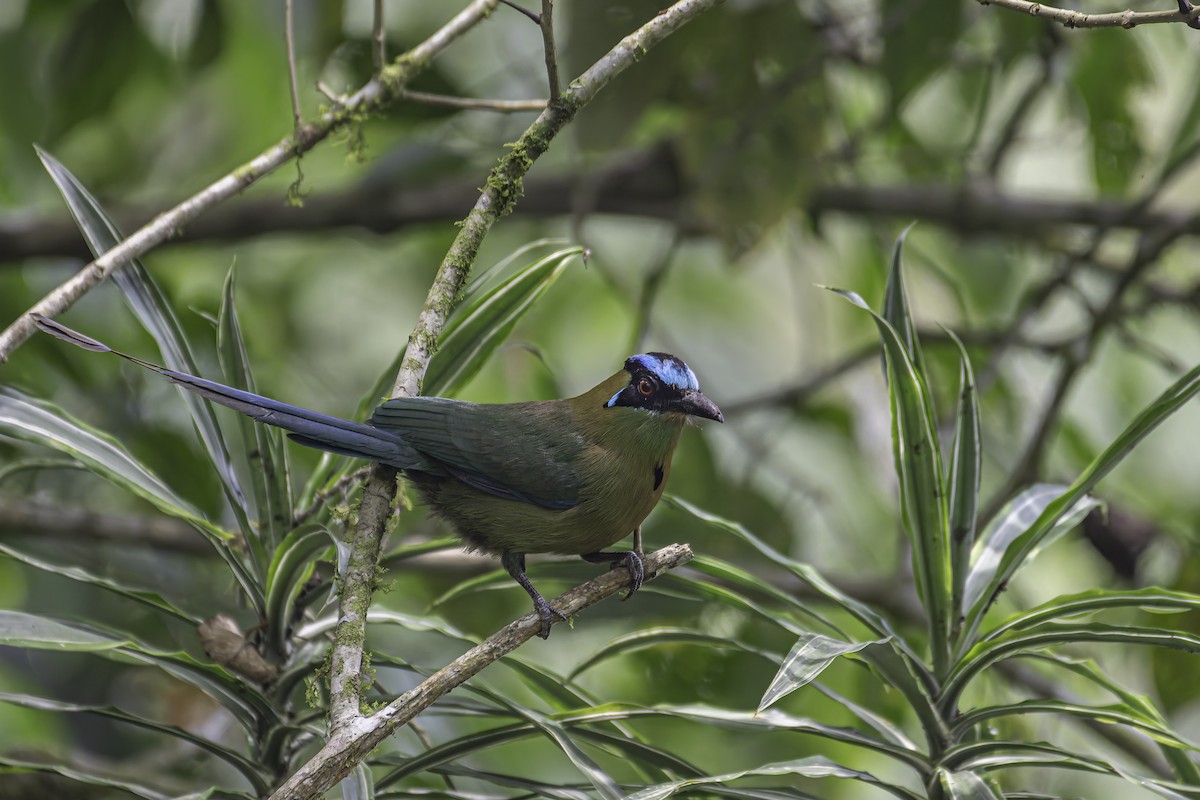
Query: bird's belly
x=494, y=524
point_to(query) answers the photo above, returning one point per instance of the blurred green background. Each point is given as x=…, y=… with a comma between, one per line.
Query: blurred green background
x=765, y=150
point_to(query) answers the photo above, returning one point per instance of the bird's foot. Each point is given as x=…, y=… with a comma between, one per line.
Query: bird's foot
x=548, y=614
x=630, y=560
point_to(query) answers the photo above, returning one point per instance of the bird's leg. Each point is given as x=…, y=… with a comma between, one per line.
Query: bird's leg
x=631, y=560
x=514, y=564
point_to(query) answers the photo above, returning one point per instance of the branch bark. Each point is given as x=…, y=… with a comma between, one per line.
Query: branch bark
x=377, y=93
x=646, y=184
x=353, y=742
x=1075, y=19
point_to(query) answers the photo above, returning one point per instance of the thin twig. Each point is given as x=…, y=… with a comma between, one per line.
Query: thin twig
x=482, y=104
x=546, y=23
x=1075, y=19
x=531, y=14
x=319, y=500
x=378, y=39
x=289, y=39
x=348, y=746
x=376, y=94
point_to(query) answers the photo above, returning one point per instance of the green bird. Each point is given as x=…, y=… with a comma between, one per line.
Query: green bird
x=569, y=477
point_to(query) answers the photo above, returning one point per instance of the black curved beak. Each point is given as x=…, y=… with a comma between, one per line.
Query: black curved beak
x=695, y=404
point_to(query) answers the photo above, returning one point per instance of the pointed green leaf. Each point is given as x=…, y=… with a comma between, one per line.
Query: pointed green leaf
x=809, y=657
x=264, y=444
x=810, y=767
x=1052, y=634
x=45, y=424
x=39, y=632
x=20, y=629
x=966, y=786
x=251, y=771
x=918, y=462
x=1016, y=518
x=155, y=314
x=1016, y=554
x=482, y=324
x=966, y=464
x=1092, y=601
x=151, y=599
x=290, y=567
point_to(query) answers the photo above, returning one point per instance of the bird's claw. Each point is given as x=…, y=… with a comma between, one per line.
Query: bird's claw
x=637, y=571
x=548, y=615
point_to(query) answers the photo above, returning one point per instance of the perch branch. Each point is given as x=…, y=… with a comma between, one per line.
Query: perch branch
x=352, y=743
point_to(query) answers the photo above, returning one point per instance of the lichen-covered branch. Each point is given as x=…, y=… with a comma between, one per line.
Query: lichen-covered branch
x=350, y=744
x=377, y=93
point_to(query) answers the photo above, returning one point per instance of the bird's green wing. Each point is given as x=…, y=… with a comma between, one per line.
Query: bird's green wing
x=522, y=451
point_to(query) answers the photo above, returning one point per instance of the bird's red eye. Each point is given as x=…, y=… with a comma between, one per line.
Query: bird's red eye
x=645, y=387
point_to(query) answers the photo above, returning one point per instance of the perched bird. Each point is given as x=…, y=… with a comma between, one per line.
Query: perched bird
x=570, y=477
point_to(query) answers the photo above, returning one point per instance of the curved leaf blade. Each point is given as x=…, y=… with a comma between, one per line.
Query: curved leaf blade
x=1166, y=404
x=155, y=314
x=480, y=325
x=809, y=657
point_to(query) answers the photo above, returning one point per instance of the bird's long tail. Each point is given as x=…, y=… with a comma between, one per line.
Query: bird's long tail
x=310, y=428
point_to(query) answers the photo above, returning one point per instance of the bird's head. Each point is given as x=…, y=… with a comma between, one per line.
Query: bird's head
x=661, y=383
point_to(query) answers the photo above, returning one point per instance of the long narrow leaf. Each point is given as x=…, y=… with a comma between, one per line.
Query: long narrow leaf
x=1017, y=517
x=484, y=322
x=249, y=770
x=39, y=632
x=45, y=424
x=1016, y=554
x=1152, y=598
x=922, y=487
x=151, y=599
x=155, y=314
x=1052, y=634
x=264, y=443
x=966, y=462
x=290, y=567
x=809, y=657
x=810, y=767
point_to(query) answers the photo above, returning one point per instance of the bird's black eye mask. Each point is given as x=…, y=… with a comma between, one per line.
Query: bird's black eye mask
x=657, y=382
x=646, y=391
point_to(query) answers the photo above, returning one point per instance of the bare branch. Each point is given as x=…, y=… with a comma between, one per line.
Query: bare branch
x=1075, y=19
x=516, y=7
x=546, y=23
x=377, y=93
x=449, y=101
x=378, y=39
x=289, y=39
x=348, y=746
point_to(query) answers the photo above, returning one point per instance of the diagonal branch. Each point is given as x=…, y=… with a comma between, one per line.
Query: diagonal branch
x=376, y=94
x=352, y=743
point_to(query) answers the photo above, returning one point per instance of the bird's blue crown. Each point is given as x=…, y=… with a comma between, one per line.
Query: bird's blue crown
x=669, y=369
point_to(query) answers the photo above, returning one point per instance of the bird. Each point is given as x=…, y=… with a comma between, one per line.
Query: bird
x=566, y=477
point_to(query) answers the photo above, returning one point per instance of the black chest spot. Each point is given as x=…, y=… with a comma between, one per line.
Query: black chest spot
x=658, y=477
